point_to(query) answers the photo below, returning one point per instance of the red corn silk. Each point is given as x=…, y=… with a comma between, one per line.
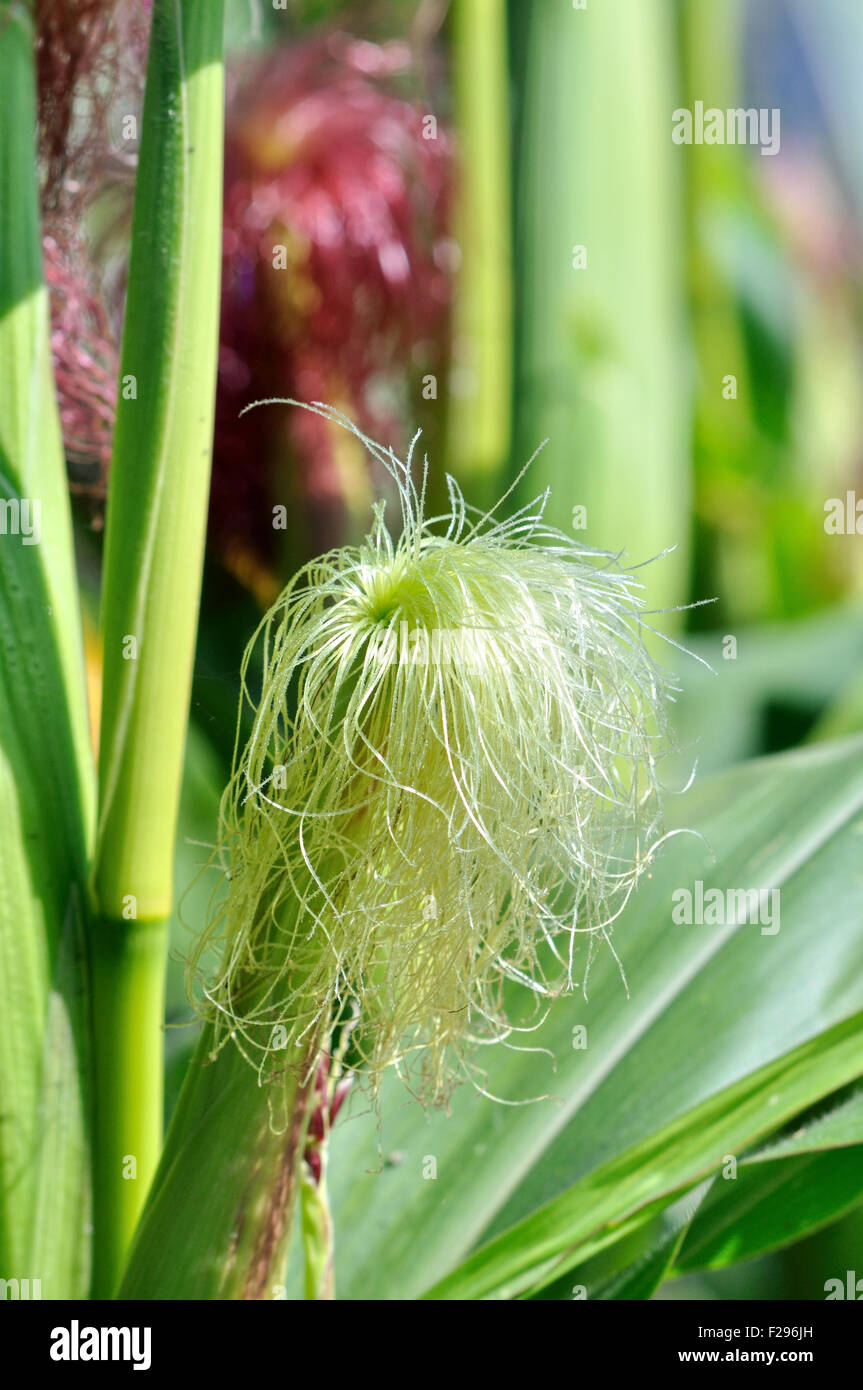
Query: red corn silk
x=333, y=276
x=71, y=39
x=85, y=365
x=325, y=1110
x=90, y=66
x=89, y=54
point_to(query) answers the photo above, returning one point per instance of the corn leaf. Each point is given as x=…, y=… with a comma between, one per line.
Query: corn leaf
x=771, y=1204
x=668, y=1162
x=46, y=775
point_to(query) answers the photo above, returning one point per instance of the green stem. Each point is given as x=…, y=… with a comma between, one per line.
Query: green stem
x=479, y=406
x=318, y=1241
x=156, y=523
x=127, y=961
x=602, y=332
x=160, y=474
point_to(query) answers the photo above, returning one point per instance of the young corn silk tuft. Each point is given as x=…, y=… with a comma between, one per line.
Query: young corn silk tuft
x=450, y=779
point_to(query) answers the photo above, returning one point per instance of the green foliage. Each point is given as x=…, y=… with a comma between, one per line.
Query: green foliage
x=586, y=1217
x=46, y=775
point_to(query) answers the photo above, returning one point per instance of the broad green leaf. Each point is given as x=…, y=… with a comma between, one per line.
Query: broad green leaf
x=31, y=452
x=707, y=1006
x=837, y=1126
x=784, y=1189
x=845, y=714
x=765, y=673
x=204, y=777
x=770, y=1204
x=46, y=776
x=667, y=1162
x=642, y=1279
x=632, y=1267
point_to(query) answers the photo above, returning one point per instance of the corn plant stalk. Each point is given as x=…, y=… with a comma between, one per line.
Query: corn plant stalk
x=479, y=408
x=726, y=443
x=600, y=235
x=316, y=1218
x=153, y=561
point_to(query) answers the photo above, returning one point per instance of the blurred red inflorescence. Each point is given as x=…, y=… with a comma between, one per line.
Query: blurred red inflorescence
x=90, y=61
x=334, y=269
x=335, y=257
x=85, y=364
x=89, y=53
